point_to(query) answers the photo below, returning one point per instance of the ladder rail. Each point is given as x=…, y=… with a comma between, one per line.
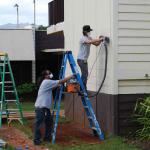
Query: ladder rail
x=60, y=77
x=2, y=89
x=15, y=90
x=57, y=116
x=85, y=100
x=58, y=97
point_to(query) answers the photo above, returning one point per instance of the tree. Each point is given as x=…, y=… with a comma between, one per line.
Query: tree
x=41, y=27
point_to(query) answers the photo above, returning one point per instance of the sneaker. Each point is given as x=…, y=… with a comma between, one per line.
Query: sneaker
x=37, y=142
x=46, y=139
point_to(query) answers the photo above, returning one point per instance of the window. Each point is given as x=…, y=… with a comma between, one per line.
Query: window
x=56, y=11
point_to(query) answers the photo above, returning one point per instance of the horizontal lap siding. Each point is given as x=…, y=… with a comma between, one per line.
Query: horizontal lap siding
x=133, y=46
x=134, y=2
x=134, y=49
x=134, y=16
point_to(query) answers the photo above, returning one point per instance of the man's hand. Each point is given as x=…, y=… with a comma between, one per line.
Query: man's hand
x=74, y=75
x=66, y=79
x=101, y=38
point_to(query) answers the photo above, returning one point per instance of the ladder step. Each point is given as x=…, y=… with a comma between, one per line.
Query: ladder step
x=9, y=91
x=10, y=100
x=5, y=72
x=2, y=64
x=6, y=82
x=8, y=86
x=89, y=117
x=12, y=109
x=54, y=110
x=86, y=107
x=4, y=113
x=93, y=128
x=13, y=117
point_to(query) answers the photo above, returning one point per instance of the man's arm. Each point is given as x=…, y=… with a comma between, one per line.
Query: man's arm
x=95, y=42
x=66, y=79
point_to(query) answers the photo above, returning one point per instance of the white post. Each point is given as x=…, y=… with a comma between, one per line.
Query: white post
x=34, y=61
x=17, y=6
x=34, y=12
x=33, y=71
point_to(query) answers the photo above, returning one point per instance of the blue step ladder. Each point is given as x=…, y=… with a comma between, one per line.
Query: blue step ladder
x=94, y=125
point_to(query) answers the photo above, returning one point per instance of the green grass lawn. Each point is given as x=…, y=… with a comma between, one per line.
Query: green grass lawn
x=9, y=148
x=26, y=106
x=29, y=106
x=114, y=143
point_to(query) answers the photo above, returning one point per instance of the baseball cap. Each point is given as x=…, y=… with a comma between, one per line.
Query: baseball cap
x=87, y=28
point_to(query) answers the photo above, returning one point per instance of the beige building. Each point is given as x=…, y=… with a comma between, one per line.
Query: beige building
x=127, y=23
x=19, y=44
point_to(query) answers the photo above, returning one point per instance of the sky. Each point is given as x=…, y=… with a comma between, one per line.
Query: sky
x=8, y=13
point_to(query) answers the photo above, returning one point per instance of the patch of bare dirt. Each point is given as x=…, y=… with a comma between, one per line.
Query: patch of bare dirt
x=68, y=134
x=73, y=134
x=18, y=139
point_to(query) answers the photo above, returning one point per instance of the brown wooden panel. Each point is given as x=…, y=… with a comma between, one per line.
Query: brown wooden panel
x=113, y=112
x=69, y=106
x=105, y=107
x=126, y=104
x=78, y=110
x=107, y=112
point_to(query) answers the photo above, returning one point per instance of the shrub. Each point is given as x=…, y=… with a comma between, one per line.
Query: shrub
x=142, y=116
x=26, y=88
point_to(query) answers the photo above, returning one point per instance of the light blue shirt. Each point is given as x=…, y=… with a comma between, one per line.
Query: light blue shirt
x=84, y=49
x=44, y=98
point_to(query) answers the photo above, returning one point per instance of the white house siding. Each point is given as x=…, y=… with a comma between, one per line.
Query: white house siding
x=19, y=44
x=98, y=14
x=133, y=46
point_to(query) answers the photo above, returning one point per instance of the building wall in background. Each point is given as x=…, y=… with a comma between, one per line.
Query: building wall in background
x=22, y=71
x=78, y=13
x=18, y=43
x=126, y=22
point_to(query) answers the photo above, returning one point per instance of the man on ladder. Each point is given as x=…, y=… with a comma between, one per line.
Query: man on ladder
x=84, y=51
